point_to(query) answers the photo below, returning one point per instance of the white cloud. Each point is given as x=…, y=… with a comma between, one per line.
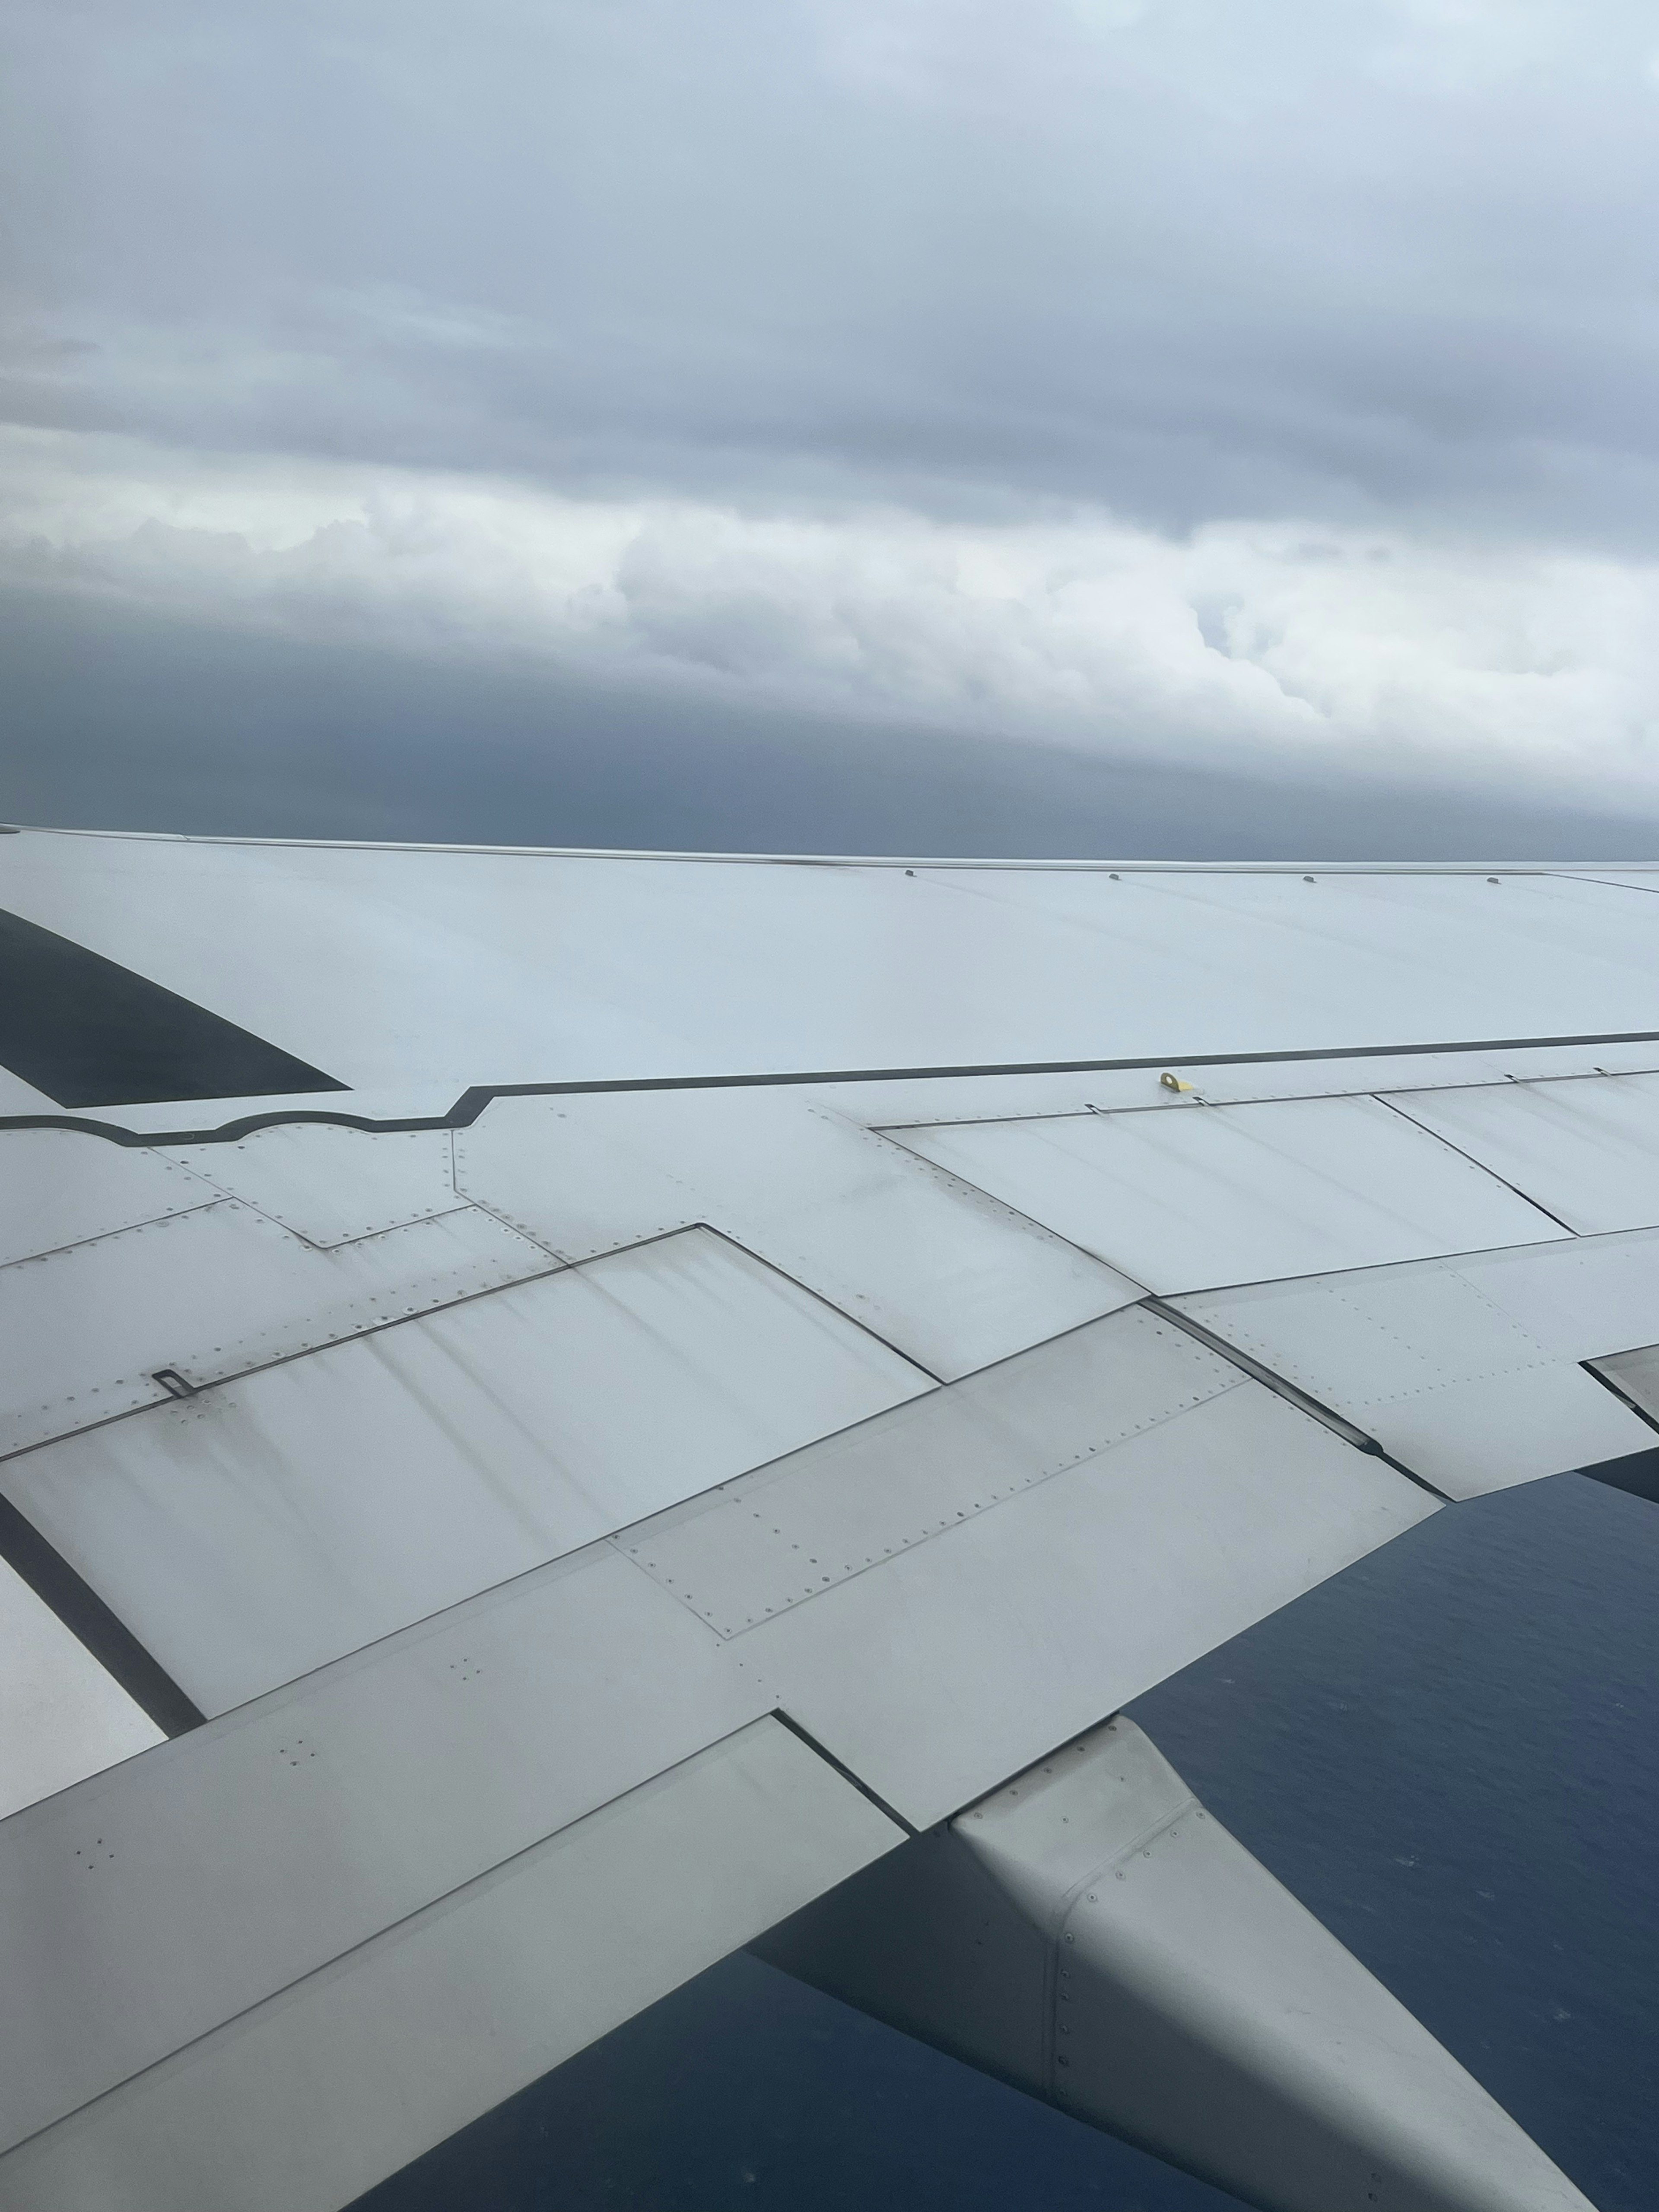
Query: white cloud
x=1253, y=644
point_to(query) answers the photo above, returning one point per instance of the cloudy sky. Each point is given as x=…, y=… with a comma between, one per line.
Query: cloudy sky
x=1255, y=386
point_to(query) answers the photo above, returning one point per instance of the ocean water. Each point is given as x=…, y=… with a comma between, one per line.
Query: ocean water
x=1450, y=1752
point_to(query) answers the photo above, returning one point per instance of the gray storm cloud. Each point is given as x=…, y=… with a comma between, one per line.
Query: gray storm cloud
x=1188, y=260
x=1249, y=373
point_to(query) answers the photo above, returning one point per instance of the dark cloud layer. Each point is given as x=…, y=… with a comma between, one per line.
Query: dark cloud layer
x=1251, y=384
x=111, y=718
x=1188, y=259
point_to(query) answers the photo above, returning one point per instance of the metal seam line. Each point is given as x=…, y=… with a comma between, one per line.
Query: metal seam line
x=1035, y=862
x=1623, y=1396
x=95, y=1626
x=839, y=1766
x=473, y=1101
x=493, y=1872
x=1293, y=1395
x=1485, y=1168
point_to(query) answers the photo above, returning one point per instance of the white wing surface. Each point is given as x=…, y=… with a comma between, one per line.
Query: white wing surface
x=586, y=1397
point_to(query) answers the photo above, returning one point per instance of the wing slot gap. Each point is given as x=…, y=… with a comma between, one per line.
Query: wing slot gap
x=1292, y=1393
x=104, y=1634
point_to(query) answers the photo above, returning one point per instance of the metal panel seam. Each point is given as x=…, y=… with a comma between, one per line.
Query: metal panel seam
x=1607, y=882
x=465, y=1202
x=1578, y=1243
x=566, y=1562
x=94, y=1623
x=1571, y=871
x=1059, y=1934
x=1624, y=1398
x=826, y=1584
x=840, y=1767
x=1544, y=1358
x=344, y=1244
x=1292, y=1392
x=473, y=1100
x=947, y=1177
x=103, y=1236
x=760, y=1259
x=302, y=1352
x=819, y=1297
x=1527, y=1198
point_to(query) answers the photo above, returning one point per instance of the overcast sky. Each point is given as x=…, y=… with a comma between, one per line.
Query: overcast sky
x=1256, y=384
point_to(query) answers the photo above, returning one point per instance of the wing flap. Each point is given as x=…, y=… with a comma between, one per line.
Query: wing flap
x=150, y=1905
x=304, y=2101
x=259, y=1529
x=1082, y=1522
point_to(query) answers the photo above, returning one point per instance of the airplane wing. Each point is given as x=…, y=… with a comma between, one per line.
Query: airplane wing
x=565, y=1413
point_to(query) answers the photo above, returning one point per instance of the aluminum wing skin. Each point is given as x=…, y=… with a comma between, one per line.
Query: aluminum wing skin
x=560, y=1406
